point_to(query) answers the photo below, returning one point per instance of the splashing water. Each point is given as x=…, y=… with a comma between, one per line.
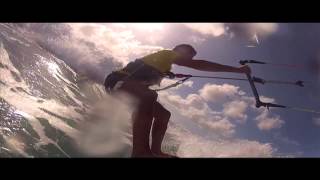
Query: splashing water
x=107, y=132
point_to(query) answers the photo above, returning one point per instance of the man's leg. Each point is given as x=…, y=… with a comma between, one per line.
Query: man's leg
x=142, y=117
x=160, y=124
x=142, y=121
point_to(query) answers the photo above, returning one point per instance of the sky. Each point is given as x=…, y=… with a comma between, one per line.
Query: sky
x=220, y=115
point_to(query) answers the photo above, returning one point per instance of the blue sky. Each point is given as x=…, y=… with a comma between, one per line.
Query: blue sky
x=215, y=109
x=294, y=44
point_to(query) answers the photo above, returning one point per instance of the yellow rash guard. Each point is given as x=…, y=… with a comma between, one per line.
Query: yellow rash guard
x=161, y=60
x=156, y=66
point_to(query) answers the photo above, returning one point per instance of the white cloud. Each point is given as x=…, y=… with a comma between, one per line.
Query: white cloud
x=149, y=27
x=267, y=99
x=194, y=108
x=188, y=83
x=196, y=39
x=213, y=29
x=264, y=28
x=190, y=145
x=267, y=123
x=215, y=93
x=117, y=40
x=195, y=100
x=149, y=32
x=264, y=120
x=249, y=30
x=236, y=110
x=222, y=126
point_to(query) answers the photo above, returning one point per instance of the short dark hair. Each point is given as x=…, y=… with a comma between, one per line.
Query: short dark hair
x=186, y=46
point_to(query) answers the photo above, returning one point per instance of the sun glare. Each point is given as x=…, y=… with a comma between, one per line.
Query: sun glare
x=147, y=26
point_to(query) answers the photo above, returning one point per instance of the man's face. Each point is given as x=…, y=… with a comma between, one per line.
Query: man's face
x=185, y=53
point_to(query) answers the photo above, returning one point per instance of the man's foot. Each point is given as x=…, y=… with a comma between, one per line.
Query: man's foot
x=164, y=155
x=142, y=154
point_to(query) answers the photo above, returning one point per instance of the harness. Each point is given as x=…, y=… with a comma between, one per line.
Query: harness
x=136, y=70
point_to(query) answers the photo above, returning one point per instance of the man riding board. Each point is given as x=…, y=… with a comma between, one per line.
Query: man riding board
x=149, y=70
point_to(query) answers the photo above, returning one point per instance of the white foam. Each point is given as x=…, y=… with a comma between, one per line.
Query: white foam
x=28, y=106
x=72, y=96
x=54, y=69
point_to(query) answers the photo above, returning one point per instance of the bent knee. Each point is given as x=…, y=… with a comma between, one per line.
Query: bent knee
x=166, y=114
x=151, y=95
x=162, y=113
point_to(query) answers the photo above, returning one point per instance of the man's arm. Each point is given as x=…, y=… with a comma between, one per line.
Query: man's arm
x=204, y=65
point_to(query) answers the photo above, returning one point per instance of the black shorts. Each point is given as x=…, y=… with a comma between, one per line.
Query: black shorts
x=138, y=71
x=114, y=81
